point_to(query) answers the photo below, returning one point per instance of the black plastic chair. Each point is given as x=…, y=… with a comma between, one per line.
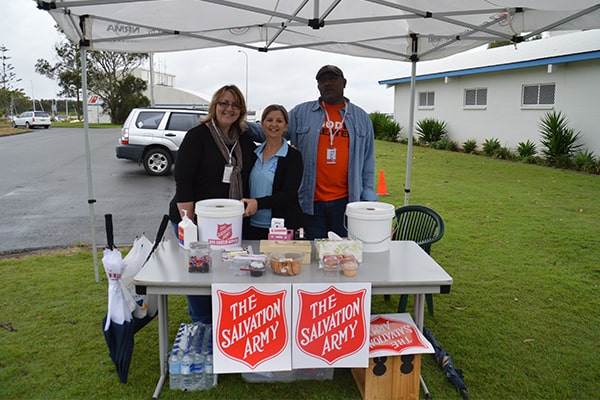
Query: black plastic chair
x=423, y=225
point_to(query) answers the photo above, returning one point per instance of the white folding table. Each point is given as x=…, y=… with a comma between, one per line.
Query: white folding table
x=404, y=269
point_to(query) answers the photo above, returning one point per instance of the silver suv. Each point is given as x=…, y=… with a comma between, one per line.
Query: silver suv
x=152, y=136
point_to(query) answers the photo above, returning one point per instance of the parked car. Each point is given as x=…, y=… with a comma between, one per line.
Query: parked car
x=151, y=136
x=31, y=119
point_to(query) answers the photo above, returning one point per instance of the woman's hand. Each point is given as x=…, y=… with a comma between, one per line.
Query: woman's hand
x=251, y=206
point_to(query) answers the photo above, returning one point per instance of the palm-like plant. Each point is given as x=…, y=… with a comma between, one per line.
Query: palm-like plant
x=430, y=130
x=384, y=127
x=560, y=141
x=491, y=146
x=526, y=151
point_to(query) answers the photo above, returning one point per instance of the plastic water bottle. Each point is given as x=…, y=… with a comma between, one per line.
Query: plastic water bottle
x=175, y=369
x=186, y=371
x=209, y=376
x=197, y=368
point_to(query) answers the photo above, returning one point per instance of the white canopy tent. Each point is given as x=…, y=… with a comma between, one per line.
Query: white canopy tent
x=408, y=30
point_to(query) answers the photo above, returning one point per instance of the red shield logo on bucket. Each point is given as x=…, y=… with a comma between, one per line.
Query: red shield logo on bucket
x=331, y=324
x=252, y=328
x=224, y=231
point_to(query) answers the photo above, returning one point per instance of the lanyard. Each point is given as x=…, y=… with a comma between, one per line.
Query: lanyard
x=223, y=141
x=330, y=124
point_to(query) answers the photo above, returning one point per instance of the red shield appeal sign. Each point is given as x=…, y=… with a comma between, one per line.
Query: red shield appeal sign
x=396, y=334
x=251, y=327
x=331, y=325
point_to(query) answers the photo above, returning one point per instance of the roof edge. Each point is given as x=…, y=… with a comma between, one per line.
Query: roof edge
x=590, y=55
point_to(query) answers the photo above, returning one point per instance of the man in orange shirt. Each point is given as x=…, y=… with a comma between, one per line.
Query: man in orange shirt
x=337, y=143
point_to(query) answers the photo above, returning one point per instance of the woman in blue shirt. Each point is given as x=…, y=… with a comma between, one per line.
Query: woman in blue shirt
x=274, y=179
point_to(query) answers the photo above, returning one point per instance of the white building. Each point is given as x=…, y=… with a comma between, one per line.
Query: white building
x=166, y=94
x=504, y=92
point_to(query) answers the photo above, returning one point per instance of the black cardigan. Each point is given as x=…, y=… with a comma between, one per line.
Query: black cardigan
x=199, y=169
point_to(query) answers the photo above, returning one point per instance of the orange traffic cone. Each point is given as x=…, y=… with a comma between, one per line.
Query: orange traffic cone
x=382, y=188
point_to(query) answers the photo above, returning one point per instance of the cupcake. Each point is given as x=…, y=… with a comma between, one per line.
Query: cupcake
x=349, y=266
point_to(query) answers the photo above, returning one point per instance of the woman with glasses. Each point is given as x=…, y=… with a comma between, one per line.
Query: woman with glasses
x=213, y=161
x=274, y=180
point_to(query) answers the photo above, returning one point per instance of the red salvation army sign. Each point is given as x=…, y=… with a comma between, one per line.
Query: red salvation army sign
x=396, y=334
x=331, y=325
x=251, y=327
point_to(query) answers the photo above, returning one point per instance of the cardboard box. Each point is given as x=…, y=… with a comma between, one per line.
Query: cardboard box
x=305, y=246
x=319, y=374
x=286, y=234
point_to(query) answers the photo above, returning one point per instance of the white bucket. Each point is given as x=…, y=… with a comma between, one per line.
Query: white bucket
x=220, y=222
x=371, y=223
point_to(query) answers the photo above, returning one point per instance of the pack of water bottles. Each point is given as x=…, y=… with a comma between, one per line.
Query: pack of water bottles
x=191, y=358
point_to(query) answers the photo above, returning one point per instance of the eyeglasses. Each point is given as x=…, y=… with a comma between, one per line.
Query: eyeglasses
x=226, y=105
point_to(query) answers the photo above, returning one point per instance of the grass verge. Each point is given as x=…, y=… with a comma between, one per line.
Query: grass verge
x=522, y=243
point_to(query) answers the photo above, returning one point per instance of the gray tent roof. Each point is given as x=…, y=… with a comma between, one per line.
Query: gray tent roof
x=565, y=47
x=368, y=28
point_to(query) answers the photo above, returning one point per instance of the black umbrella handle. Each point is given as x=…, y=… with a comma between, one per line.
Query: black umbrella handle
x=161, y=230
x=110, y=241
x=159, y=235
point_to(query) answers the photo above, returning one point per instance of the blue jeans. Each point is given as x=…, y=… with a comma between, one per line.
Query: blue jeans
x=199, y=307
x=328, y=216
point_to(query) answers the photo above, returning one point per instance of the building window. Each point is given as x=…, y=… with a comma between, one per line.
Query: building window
x=475, y=98
x=426, y=99
x=538, y=95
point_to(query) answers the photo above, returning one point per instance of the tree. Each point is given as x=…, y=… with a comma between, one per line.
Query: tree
x=8, y=80
x=109, y=76
x=130, y=92
x=67, y=71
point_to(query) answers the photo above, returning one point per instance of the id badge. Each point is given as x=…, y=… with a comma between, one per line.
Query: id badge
x=331, y=155
x=227, y=173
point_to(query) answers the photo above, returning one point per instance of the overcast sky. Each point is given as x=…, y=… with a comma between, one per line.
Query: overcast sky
x=284, y=77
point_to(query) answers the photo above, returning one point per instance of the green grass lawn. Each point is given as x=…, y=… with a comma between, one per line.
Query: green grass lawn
x=522, y=243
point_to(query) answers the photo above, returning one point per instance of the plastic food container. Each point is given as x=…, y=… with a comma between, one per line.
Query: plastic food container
x=349, y=266
x=331, y=262
x=257, y=268
x=286, y=263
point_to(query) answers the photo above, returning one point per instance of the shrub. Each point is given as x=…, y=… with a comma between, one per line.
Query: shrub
x=384, y=127
x=452, y=145
x=560, y=141
x=445, y=144
x=526, y=150
x=504, y=153
x=491, y=146
x=585, y=161
x=470, y=146
x=431, y=130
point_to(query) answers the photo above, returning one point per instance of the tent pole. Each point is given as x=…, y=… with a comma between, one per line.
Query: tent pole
x=152, y=79
x=88, y=161
x=411, y=123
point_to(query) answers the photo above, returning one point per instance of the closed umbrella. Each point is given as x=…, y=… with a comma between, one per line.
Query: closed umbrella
x=120, y=323
x=117, y=325
x=444, y=361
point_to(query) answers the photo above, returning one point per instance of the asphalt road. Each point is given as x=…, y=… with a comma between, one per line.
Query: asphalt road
x=44, y=191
